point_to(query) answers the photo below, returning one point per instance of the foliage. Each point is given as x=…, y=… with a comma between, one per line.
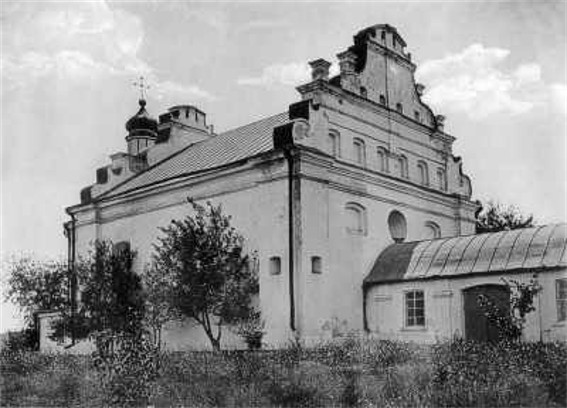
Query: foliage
x=26, y=339
x=210, y=278
x=158, y=288
x=511, y=325
x=112, y=299
x=128, y=372
x=251, y=329
x=366, y=373
x=495, y=217
x=33, y=286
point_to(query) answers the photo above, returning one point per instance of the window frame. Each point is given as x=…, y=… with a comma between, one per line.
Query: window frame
x=407, y=323
x=316, y=265
x=335, y=141
x=561, y=303
x=423, y=173
x=441, y=179
x=363, y=227
x=273, y=260
x=404, y=167
x=358, y=142
x=383, y=162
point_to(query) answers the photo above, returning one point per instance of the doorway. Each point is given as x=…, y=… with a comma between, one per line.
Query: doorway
x=477, y=326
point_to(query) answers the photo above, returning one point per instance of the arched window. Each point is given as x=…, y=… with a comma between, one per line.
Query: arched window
x=441, y=180
x=363, y=92
x=417, y=116
x=399, y=107
x=403, y=166
x=423, y=173
x=383, y=160
x=398, y=226
x=431, y=230
x=275, y=265
x=334, y=143
x=316, y=265
x=359, y=151
x=356, y=219
x=382, y=99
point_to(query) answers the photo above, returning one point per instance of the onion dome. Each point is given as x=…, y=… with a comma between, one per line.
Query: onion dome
x=142, y=124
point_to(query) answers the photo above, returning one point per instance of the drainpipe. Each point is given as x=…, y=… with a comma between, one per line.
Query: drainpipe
x=71, y=262
x=288, y=154
x=364, y=318
x=283, y=140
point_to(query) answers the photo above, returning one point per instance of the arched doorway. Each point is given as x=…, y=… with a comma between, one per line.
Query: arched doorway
x=477, y=326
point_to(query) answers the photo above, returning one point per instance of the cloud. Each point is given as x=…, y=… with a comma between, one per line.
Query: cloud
x=75, y=42
x=290, y=74
x=172, y=89
x=473, y=82
x=558, y=98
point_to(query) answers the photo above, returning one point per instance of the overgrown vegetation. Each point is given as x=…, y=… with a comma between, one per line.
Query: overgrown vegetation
x=494, y=217
x=352, y=372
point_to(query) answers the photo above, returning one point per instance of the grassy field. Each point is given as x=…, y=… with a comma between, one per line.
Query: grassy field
x=347, y=373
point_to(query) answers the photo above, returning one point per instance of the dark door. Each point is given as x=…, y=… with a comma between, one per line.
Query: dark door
x=477, y=326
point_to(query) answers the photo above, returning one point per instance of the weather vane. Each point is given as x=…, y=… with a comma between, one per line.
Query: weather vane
x=142, y=86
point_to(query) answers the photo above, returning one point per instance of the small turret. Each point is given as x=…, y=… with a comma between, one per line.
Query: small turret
x=142, y=130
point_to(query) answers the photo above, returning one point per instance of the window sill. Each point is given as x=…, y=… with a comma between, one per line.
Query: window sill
x=414, y=329
x=560, y=324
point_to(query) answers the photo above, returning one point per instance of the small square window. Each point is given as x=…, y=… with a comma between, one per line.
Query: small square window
x=275, y=265
x=316, y=265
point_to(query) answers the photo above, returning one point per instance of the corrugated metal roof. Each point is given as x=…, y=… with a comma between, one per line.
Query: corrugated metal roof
x=530, y=248
x=227, y=147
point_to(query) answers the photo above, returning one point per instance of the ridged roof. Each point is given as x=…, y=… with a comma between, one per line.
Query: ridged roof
x=227, y=147
x=530, y=248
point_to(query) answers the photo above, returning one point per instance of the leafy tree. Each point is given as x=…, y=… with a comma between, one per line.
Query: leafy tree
x=211, y=281
x=495, y=217
x=33, y=286
x=158, y=286
x=111, y=297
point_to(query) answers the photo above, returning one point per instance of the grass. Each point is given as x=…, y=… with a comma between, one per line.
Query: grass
x=359, y=373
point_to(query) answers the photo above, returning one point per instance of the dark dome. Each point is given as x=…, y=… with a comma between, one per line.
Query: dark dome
x=142, y=122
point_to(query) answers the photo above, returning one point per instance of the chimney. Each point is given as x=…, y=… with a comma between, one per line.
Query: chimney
x=320, y=69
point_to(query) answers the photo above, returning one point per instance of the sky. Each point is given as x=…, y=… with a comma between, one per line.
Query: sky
x=496, y=70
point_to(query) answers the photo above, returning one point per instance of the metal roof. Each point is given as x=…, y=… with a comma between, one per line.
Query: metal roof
x=227, y=147
x=530, y=248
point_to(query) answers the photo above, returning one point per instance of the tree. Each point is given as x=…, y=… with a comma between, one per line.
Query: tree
x=211, y=281
x=34, y=286
x=495, y=217
x=112, y=298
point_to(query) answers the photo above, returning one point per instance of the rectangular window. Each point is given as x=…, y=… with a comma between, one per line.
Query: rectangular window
x=415, y=308
x=316, y=265
x=561, y=298
x=275, y=265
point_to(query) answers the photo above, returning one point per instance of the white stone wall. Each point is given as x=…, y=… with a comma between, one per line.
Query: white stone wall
x=444, y=308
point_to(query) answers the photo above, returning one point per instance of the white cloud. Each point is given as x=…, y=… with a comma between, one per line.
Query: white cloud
x=76, y=42
x=473, y=82
x=172, y=89
x=290, y=74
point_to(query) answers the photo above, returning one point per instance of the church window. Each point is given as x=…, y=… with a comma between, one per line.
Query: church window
x=398, y=226
x=441, y=179
x=415, y=308
x=334, y=144
x=423, y=173
x=382, y=99
x=356, y=219
x=403, y=166
x=316, y=265
x=382, y=160
x=399, y=107
x=561, y=297
x=432, y=230
x=417, y=116
x=383, y=35
x=359, y=152
x=186, y=113
x=363, y=92
x=275, y=265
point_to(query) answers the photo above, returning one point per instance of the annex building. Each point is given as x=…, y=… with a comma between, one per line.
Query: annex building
x=361, y=215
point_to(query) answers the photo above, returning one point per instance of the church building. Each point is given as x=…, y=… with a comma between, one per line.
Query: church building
x=359, y=211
